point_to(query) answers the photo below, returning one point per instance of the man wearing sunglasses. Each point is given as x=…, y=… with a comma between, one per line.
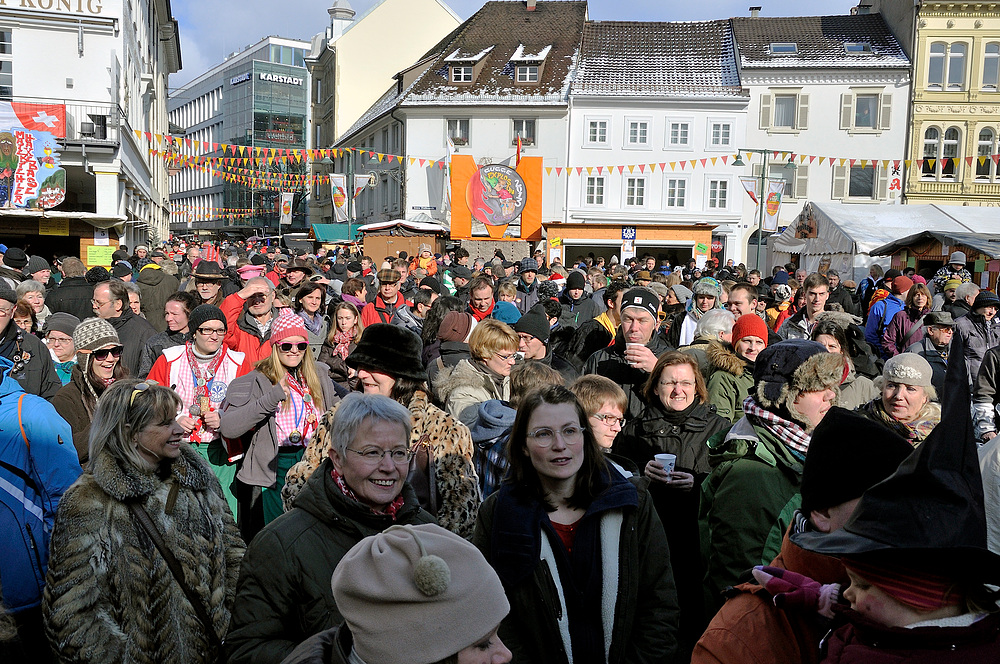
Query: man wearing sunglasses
x=200, y=371
x=249, y=313
x=33, y=367
x=111, y=302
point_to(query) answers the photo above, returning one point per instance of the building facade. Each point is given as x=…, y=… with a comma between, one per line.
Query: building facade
x=827, y=111
x=257, y=100
x=955, y=111
x=92, y=74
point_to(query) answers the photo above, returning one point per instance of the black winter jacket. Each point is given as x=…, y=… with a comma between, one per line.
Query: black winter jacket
x=72, y=296
x=38, y=375
x=133, y=333
x=610, y=362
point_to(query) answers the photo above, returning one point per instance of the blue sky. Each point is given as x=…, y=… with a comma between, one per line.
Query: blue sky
x=211, y=29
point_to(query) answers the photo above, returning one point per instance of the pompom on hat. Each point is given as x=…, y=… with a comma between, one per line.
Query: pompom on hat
x=420, y=582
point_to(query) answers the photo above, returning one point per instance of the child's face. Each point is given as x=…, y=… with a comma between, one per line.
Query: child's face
x=876, y=605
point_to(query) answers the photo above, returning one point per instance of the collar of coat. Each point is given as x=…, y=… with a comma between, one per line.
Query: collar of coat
x=722, y=356
x=123, y=482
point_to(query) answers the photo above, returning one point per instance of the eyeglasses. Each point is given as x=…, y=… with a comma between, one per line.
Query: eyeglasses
x=60, y=340
x=98, y=303
x=609, y=420
x=211, y=332
x=287, y=348
x=545, y=437
x=373, y=455
x=102, y=354
x=139, y=388
x=207, y=282
x=686, y=384
x=505, y=358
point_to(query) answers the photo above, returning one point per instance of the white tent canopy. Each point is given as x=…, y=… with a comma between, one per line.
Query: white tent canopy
x=842, y=235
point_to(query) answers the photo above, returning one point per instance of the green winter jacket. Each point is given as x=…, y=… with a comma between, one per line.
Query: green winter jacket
x=732, y=378
x=283, y=595
x=747, y=502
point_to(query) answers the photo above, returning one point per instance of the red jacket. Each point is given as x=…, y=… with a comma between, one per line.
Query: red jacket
x=377, y=311
x=240, y=335
x=274, y=277
x=749, y=629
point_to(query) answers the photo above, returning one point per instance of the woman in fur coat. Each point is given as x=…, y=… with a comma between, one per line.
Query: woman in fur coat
x=110, y=596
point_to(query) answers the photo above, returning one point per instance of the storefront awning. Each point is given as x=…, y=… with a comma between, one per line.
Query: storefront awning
x=96, y=220
x=332, y=232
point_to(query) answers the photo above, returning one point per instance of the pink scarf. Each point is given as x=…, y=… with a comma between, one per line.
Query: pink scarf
x=342, y=342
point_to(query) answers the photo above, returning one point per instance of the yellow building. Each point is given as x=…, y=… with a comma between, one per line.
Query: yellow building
x=955, y=105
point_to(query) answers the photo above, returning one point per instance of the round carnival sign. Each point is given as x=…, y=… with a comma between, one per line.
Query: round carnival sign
x=496, y=195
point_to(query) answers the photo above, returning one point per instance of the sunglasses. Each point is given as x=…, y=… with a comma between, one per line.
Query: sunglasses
x=287, y=348
x=101, y=355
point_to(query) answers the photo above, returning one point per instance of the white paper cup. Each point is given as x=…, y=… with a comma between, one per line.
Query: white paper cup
x=667, y=461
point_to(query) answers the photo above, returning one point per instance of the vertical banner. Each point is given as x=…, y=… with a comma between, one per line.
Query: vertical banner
x=772, y=204
x=286, y=208
x=338, y=186
x=750, y=185
x=360, y=182
x=463, y=167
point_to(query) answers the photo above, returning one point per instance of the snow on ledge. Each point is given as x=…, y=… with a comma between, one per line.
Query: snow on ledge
x=521, y=56
x=457, y=57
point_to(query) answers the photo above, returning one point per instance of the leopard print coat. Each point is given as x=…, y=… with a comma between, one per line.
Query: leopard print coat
x=457, y=481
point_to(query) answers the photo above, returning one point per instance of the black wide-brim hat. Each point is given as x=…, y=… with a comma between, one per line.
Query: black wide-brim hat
x=208, y=270
x=389, y=349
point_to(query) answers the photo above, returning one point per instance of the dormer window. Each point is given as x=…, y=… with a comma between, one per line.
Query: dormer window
x=783, y=48
x=527, y=74
x=858, y=48
x=461, y=74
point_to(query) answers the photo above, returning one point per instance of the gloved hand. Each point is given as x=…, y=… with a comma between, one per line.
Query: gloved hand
x=795, y=591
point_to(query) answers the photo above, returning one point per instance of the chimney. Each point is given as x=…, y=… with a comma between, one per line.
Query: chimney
x=531, y=5
x=754, y=12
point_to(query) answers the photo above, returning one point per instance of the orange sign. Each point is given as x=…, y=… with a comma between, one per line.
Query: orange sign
x=464, y=169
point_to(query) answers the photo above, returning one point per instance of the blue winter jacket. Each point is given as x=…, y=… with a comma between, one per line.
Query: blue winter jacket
x=36, y=468
x=879, y=317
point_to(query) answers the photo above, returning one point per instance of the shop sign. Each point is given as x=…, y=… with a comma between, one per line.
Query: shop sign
x=242, y=78
x=280, y=78
x=496, y=195
x=716, y=246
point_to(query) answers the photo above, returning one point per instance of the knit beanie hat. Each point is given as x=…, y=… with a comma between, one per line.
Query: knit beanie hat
x=952, y=284
x=204, y=313
x=831, y=474
x=389, y=349
x=121, y=269
x=788, y=368
x=901, y=284
x=432, y=283
x=750, y=325
x=907, y=369
x=575, y=280
x=506, y=312
x=456, y=326
x=15, y=258
x=287, y=324
x=682, y=292
x=535, y=323
x=90, y=335
x=986, y=298
x=61, y=322
x=97, y=275
x=36, y=264
x=422, y=582
x=495, y=419
x=709, y=286
x=641, y=298
x=7, y=293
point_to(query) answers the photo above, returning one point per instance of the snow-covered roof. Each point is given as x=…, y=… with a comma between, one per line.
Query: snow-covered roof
x=820, y=42
x=657, y=59
x=456, y=55
x=521, y=56
x=421, y=226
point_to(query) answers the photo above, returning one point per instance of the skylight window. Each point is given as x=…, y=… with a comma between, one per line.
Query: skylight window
x=783, y=48
x=857, y=48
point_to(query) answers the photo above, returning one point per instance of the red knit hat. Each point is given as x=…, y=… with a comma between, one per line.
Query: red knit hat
x=901, y=284
x=287, y=324
x=750, y=325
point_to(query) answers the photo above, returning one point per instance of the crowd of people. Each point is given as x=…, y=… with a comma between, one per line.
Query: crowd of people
x=224, y=453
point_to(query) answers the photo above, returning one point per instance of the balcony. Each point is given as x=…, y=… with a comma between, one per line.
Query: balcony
x=94, y=123
x=932, y=187
x=985, y=189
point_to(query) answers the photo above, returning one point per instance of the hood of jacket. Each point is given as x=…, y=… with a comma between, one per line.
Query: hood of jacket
x=321, y=497
x=722, y=356
x=123, y=482
x=121, y=321
x=8, y=385
x=151, y=275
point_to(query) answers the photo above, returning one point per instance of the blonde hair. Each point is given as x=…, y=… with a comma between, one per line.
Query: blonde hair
x=529, y=376
x=119, y=418
x=508, y=289
x=272, y=369
x=490, y=337
x=593, y=391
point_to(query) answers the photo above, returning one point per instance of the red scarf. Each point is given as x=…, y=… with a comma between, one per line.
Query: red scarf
x=391, y=510
x=480, y=315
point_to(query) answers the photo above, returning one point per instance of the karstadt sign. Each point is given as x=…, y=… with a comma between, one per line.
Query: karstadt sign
x=280, y=78
x=92, y=7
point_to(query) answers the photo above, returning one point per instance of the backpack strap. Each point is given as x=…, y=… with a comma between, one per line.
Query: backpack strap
x=20, y=423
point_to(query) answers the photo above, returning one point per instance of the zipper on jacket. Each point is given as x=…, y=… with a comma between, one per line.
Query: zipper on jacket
x=34, y=549
x=552, y=587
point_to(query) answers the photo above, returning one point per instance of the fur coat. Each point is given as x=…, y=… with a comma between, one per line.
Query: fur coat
x=109, y=595
x=455, y=473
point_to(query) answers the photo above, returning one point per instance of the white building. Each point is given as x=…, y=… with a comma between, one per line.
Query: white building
x=103, y=67
x=823, y=87
x=647, y=97
x=503, y=74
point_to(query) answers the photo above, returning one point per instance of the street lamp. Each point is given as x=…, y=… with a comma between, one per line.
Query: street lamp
x=763, y=186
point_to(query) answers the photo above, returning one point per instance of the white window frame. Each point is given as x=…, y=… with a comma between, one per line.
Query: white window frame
x=709, y=181
x=638, y=145
x=668, y=134
x=462, y=73
x=524, y=141
x=946, y=84
x=9, y=58
x=710, y=134
x=991, y=146
x=468, y=130
x=641, y=184
x=600, y=181
x=842, y=184
x=849, y=110
x=685, y=182
x=523, y=73
x=767, y=108
x=587, y=142
x=991, y=60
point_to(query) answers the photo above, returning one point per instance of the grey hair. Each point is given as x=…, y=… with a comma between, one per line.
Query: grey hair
x=29, y=286
x=132, y=287
x=713, y=322
x=966, y=289
x=358, y=407
x=117, y=422
x=832, y=273
x=261, y=280
x=929, y=391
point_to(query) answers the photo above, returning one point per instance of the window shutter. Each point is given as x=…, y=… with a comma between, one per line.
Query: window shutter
x=885, y=112
x=765, y=111
x=802, y=117
x=883, y=184
x=801, y=175
x=846, y=110
x=839, y=182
